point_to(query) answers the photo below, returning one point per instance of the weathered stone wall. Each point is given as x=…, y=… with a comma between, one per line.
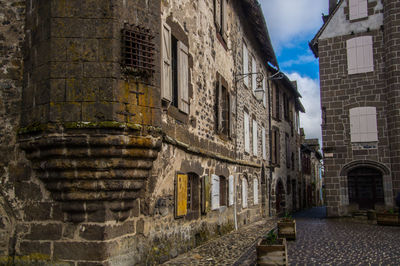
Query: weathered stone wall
x=339, y=93
x=12, y=173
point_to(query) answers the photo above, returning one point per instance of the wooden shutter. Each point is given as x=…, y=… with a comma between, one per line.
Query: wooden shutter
x=231, y=190
x=273, y=142
x=232, y=113
x=246, y=132
x=362, y=8
x=265, y=91
x=181, y=185
x=273, y=100
x=183, y=78
x=351, y=56
x=206, y=194
x=264, y=147
x=278, y=147
x=166, y=80
x=353, y=9
x=244, y=193
x=372, y=127
x=217, y=14
x=214, y=192
x=218, y=104
x=254, y=76
x=366, y=47
x=355, y=124
x=255, y=190
x=245, y=64
x=255, y=138
x=224, y=19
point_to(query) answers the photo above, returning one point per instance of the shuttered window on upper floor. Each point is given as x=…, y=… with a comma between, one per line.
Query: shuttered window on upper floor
x=360, y=55
x=246, y=127
x=245, y=66
x=221, y=18
x=175, y=71
x=254, y=75
x=358, y=9
x=255, y=138
x=363, y=124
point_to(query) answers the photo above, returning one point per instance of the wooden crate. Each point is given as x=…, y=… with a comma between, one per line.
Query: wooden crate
x=387, y=218
x=272, y=254
x=287, y=229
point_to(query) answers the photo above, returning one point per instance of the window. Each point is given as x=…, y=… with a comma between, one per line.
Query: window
x=175, y=71
x=255, y=138
x=221, y=18
x=193, y=196
x=181, y=189
x=254, y=76
x=265, y=92
x=285, y=107
x=215, y=190
x=275, y=157
x=363, y=125
x=223, y=191
x=264, y=144
x=288, y=185
x=275, y=102
x=255, y=190
x=292, y=160
x=246, y=132
x=360, y=55
x=358, y=9
x=244, y=192
x=223, y=108
x=245, y=64
x=287, y=146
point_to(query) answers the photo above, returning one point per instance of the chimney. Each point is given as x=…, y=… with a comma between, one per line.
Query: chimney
x=332, y=5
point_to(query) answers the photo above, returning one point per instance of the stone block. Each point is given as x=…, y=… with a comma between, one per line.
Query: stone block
x=45, y=232
x=57, y=90
x=86, y=251
x=30, y=247
x=67, y=27
x=64, y=9
x=97, y=111
x=100, y=70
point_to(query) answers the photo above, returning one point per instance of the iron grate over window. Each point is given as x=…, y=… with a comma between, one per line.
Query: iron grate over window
x=138, y=50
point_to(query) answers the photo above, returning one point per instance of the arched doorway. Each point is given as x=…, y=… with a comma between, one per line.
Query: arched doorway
x=280, y=198
x=365, y=186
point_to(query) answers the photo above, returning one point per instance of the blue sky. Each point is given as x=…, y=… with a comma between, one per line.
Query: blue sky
x=291, y=25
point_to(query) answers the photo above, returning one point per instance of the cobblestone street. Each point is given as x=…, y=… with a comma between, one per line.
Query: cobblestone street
x=339, y=242
x=320, y=241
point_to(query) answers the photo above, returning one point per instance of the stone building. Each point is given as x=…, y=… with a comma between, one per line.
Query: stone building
x=285, y=145
x=131, y=131
x=359, y=55
x=314, y=185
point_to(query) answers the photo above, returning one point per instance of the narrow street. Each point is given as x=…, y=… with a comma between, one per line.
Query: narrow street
x=320, y=241
x=340, y=242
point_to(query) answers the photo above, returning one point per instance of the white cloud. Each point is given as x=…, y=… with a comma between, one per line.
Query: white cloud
x=311, y=120
x=292, y=20
x=302, y=59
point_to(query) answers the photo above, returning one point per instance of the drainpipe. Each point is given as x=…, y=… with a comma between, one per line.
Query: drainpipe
x=270, y=149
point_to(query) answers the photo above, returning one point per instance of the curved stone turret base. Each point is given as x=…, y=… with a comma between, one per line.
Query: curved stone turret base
x=96, y=171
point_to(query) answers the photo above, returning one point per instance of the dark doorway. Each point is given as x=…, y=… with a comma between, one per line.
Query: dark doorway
x=365, y=187
x=280, y=198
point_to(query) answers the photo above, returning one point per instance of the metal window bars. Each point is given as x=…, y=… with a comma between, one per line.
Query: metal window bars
x=138, y=50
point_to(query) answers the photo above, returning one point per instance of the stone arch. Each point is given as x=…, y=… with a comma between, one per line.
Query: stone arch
x=357, y=164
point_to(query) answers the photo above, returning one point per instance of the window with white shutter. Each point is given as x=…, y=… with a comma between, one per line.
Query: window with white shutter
x=244, y=193
x=264, y=144
x=166, y=86
x=360, y=55
x=214, y=192
x=221, y=18
x=255, y=190
x=265, y=92
x=363, y=124
x=231, y=190
x=255, y=138
x=254, y=76
x=183, y=78
x=246, y=132
x=245, y=64
x=358, y=9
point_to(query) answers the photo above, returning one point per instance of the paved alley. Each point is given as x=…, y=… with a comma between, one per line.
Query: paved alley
x=338, y=242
